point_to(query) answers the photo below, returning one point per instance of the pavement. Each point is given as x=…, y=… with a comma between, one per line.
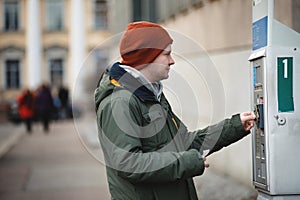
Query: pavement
x=9, y=135
x=67, y=163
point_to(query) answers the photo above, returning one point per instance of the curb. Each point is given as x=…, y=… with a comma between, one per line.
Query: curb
x=9, y=142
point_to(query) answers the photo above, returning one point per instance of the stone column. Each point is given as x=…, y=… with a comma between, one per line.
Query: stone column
x=33, y=43
x=77, y=41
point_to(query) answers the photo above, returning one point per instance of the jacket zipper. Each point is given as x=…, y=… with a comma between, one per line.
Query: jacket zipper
x=173, y=119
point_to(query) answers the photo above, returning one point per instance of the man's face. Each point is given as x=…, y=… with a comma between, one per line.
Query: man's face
x=160, y=67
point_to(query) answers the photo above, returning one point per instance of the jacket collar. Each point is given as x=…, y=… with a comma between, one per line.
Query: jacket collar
x=156, y=88
x=131, y=83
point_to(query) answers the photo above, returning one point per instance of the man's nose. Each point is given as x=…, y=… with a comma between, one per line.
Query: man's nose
x=171, y=61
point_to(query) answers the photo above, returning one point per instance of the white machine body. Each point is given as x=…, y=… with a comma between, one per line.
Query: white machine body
x=275, y=63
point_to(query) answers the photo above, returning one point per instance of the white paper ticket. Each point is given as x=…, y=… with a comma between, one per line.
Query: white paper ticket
x=205, y=152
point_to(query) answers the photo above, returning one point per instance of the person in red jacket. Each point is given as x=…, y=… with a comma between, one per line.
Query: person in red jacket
x=26, y=108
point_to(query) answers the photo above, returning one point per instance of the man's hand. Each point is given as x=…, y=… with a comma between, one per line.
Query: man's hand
x=247, y=119
x=206, y=164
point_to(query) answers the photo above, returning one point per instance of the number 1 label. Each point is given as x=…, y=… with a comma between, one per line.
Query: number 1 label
x=285, y=84
x=285, y=66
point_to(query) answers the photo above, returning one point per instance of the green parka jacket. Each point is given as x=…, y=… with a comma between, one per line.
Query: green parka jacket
x=149, y=152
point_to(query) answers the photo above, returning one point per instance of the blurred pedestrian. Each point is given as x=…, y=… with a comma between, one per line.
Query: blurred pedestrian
x=63, y=95
x=149, y=152
x=44, y=106
x=26, y=108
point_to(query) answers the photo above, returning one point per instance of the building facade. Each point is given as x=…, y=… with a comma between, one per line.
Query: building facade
x=47, y=41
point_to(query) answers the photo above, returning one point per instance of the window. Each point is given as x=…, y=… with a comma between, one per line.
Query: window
x=12, y=74
x=183, y=5
x=56, y=71
x=197, y=2
x=137, y=10
x=55, y=56
x=54, y=15
x=100, y=14
x=100, y=59
x=11, y=15
x=144, y=10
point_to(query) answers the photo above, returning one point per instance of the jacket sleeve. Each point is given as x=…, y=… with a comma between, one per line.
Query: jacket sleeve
x=122, y=148
x=215, y=137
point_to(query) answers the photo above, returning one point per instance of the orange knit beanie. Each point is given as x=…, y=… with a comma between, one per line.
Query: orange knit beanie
x=142, y=42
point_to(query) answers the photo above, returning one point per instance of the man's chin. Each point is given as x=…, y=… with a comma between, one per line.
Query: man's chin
x=166, y=77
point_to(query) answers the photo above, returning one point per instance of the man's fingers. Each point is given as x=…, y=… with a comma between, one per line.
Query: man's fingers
x=206, y=164
x=248, y=116
x=246, y=113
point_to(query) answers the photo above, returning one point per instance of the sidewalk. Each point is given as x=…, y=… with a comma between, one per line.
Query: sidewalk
x=215, y=186
x=10, y=134
x=52, y=165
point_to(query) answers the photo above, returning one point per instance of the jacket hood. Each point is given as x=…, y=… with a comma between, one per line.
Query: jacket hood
x=104, y=89
x=126, y=81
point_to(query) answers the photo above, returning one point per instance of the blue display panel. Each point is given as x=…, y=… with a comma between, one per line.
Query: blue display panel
x=260, y=33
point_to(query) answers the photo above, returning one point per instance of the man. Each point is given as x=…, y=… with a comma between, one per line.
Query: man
x=149, y=153
x=44, y=106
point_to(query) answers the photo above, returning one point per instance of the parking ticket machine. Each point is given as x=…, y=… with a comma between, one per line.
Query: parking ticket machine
x=275, y=68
